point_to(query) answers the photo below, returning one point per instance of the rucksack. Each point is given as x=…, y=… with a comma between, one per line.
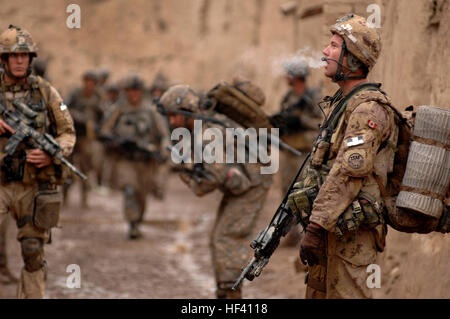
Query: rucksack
x=417, y=187
x=242, y=102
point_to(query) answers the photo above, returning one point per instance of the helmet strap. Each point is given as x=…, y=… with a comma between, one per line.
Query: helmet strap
x=340, y=76
x=18, y=78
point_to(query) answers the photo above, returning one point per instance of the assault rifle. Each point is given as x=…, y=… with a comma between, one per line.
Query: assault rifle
x=268, y=240
x=197, y=172
x=131, y=148
x=21, y=120
x=270, y=137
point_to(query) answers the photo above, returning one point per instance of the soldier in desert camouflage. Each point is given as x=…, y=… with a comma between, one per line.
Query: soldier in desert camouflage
x=30, y=178
x=340, y=197
x=244, y=191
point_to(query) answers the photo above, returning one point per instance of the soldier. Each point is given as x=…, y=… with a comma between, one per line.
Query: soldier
x=244, y=191
x=352, y=152
x=29, y=177
x=298, y=120
x=139, y=140
x=159, y=86
x=85, y=106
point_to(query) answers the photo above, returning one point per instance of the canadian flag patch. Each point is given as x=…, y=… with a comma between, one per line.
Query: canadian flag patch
x=372, y=124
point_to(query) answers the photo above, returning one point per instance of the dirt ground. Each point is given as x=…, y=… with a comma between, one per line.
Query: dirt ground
x=173, y=261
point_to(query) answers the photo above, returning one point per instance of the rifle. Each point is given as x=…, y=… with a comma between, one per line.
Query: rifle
x=267, y=241
x=271, y=137
x=22, y=122
x=197, y=173
x=131, y=148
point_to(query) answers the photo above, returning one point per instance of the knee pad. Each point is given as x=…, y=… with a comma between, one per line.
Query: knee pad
x=33, y=253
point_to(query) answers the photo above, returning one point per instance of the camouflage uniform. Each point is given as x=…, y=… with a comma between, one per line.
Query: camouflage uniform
x=87, y=114
x=28, y=195
x=349, y=204
x=136, y=174
x=244, y=191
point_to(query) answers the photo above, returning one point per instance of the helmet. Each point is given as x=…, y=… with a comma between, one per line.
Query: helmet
x=296, y=68
x=90, y=75
x=133, y=81
x=361, y=39
x=14, y=39
x=103, y=73
x=160, y=82
x=180, y=97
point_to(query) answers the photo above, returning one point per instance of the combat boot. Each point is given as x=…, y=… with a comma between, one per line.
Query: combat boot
x=134, y=232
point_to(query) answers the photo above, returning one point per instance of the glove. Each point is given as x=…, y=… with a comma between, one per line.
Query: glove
x=310, y=244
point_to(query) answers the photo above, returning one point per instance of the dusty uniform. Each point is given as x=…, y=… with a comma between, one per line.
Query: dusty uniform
x=30, y=191
x=87, y=115
x=136, y=174
x=244, y=191
x=359, y=153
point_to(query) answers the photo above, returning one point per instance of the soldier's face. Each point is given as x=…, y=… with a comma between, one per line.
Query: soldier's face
x=18, y=63
x=179, y=120
x=89, y=84
x=333, y=51
x=134, y=96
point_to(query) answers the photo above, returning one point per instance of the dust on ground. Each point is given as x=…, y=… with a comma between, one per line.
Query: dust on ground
x=172, y=260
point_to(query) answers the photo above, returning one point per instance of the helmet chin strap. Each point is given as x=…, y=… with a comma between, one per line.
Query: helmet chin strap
x=18, y=78
x=340, y=76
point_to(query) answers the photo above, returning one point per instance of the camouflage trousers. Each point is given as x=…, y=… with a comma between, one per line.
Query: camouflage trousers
x=137, y=180
x=232, y=233
x=342, y=270
x=18, y=199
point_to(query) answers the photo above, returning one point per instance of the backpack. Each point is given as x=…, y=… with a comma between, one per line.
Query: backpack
x=417, y=187
x=242, y=102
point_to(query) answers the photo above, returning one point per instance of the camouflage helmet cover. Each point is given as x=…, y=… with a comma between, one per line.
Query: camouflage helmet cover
x=133, y=81
x=362, y=39
x=90, y=75
x=15, y=39
x=296, y=68
x=180, y=97
x=160, y=82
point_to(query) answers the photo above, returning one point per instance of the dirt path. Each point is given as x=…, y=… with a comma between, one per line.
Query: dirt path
x=173, y=259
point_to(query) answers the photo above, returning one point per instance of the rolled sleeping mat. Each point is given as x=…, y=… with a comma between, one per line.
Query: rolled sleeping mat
x=427, y=174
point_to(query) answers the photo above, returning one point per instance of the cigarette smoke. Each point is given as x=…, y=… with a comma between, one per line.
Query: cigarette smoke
x=305, y=55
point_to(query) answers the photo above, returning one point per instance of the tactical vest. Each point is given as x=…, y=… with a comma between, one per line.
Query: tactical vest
x=34, y=94
x=328, y=143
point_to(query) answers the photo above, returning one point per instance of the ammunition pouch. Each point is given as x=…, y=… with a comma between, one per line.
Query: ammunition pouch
x=13, y=167
x=301, y=201
x=363, y=213
x=47, y=203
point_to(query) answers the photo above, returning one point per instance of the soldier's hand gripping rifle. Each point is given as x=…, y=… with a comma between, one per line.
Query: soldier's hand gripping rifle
x=130, y=146
x=268, y=240
x=21, y=121
x=198, y=173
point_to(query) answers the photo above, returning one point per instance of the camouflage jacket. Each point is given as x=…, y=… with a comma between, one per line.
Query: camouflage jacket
x=361, y=147
x=230, y=178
